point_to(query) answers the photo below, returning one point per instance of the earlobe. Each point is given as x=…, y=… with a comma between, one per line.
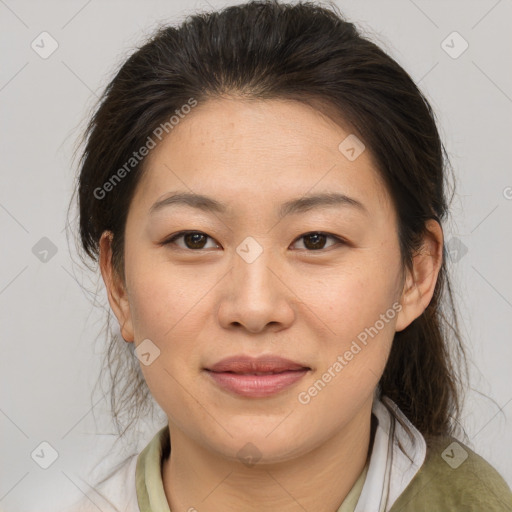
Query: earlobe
x=421, y=280
x=116, y=292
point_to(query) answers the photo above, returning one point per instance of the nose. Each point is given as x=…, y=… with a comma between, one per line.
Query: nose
x=256, y=295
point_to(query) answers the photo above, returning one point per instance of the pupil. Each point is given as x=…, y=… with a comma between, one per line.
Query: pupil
x=318, y=238
x=194, y=241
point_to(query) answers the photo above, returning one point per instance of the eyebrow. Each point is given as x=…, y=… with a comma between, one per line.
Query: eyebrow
x=294, y=206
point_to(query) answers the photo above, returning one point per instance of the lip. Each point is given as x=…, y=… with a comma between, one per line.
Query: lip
x=262, y=364
x=243, y=375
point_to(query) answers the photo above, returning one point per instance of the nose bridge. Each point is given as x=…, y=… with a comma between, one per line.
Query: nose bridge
x=257, y=297
x=251, y=266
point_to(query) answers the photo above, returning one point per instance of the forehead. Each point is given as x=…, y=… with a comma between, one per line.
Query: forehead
x=264, y=150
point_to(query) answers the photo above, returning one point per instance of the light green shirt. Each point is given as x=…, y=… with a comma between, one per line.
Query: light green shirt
x=150, y=489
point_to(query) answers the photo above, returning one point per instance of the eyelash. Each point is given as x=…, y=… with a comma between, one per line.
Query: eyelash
x=180, y=234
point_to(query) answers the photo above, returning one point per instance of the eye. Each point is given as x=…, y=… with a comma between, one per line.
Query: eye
x=196, y=240
x=316, y=240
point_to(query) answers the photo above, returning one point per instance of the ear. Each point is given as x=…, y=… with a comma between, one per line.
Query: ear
x=421, y=281
x=116, y=289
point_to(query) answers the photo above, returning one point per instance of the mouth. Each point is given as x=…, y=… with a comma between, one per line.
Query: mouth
x=256, y=377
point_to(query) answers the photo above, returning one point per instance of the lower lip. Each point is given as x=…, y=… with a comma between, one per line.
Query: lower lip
x=256, y=386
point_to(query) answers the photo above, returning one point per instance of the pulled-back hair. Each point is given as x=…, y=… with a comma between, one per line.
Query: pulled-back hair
x=268, y=50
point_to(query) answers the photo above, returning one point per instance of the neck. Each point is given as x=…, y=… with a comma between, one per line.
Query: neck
x=318, y=481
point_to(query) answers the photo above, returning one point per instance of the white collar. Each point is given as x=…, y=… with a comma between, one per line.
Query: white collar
x=396, y=457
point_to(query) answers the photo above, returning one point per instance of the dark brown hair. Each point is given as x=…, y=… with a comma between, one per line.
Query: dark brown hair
x=267, y=50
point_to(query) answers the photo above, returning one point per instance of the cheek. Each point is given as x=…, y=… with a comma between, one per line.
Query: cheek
x=353, y=297
x=158, y=296
x=359, y=306
x=162, y=311
x=358, y=310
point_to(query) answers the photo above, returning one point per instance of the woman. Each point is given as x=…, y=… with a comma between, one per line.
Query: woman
x=263, y=189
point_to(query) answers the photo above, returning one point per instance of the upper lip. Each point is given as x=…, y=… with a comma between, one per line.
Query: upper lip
x=264, y=364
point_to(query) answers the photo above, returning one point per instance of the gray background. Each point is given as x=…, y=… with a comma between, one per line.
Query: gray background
x=50, y=352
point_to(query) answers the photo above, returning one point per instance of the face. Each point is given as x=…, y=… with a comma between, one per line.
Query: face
x=318, y=283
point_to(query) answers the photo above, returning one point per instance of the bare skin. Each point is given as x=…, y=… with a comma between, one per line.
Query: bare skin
x=199, y=301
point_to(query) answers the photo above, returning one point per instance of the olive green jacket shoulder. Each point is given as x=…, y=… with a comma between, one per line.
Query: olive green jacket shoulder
x=454, y=478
